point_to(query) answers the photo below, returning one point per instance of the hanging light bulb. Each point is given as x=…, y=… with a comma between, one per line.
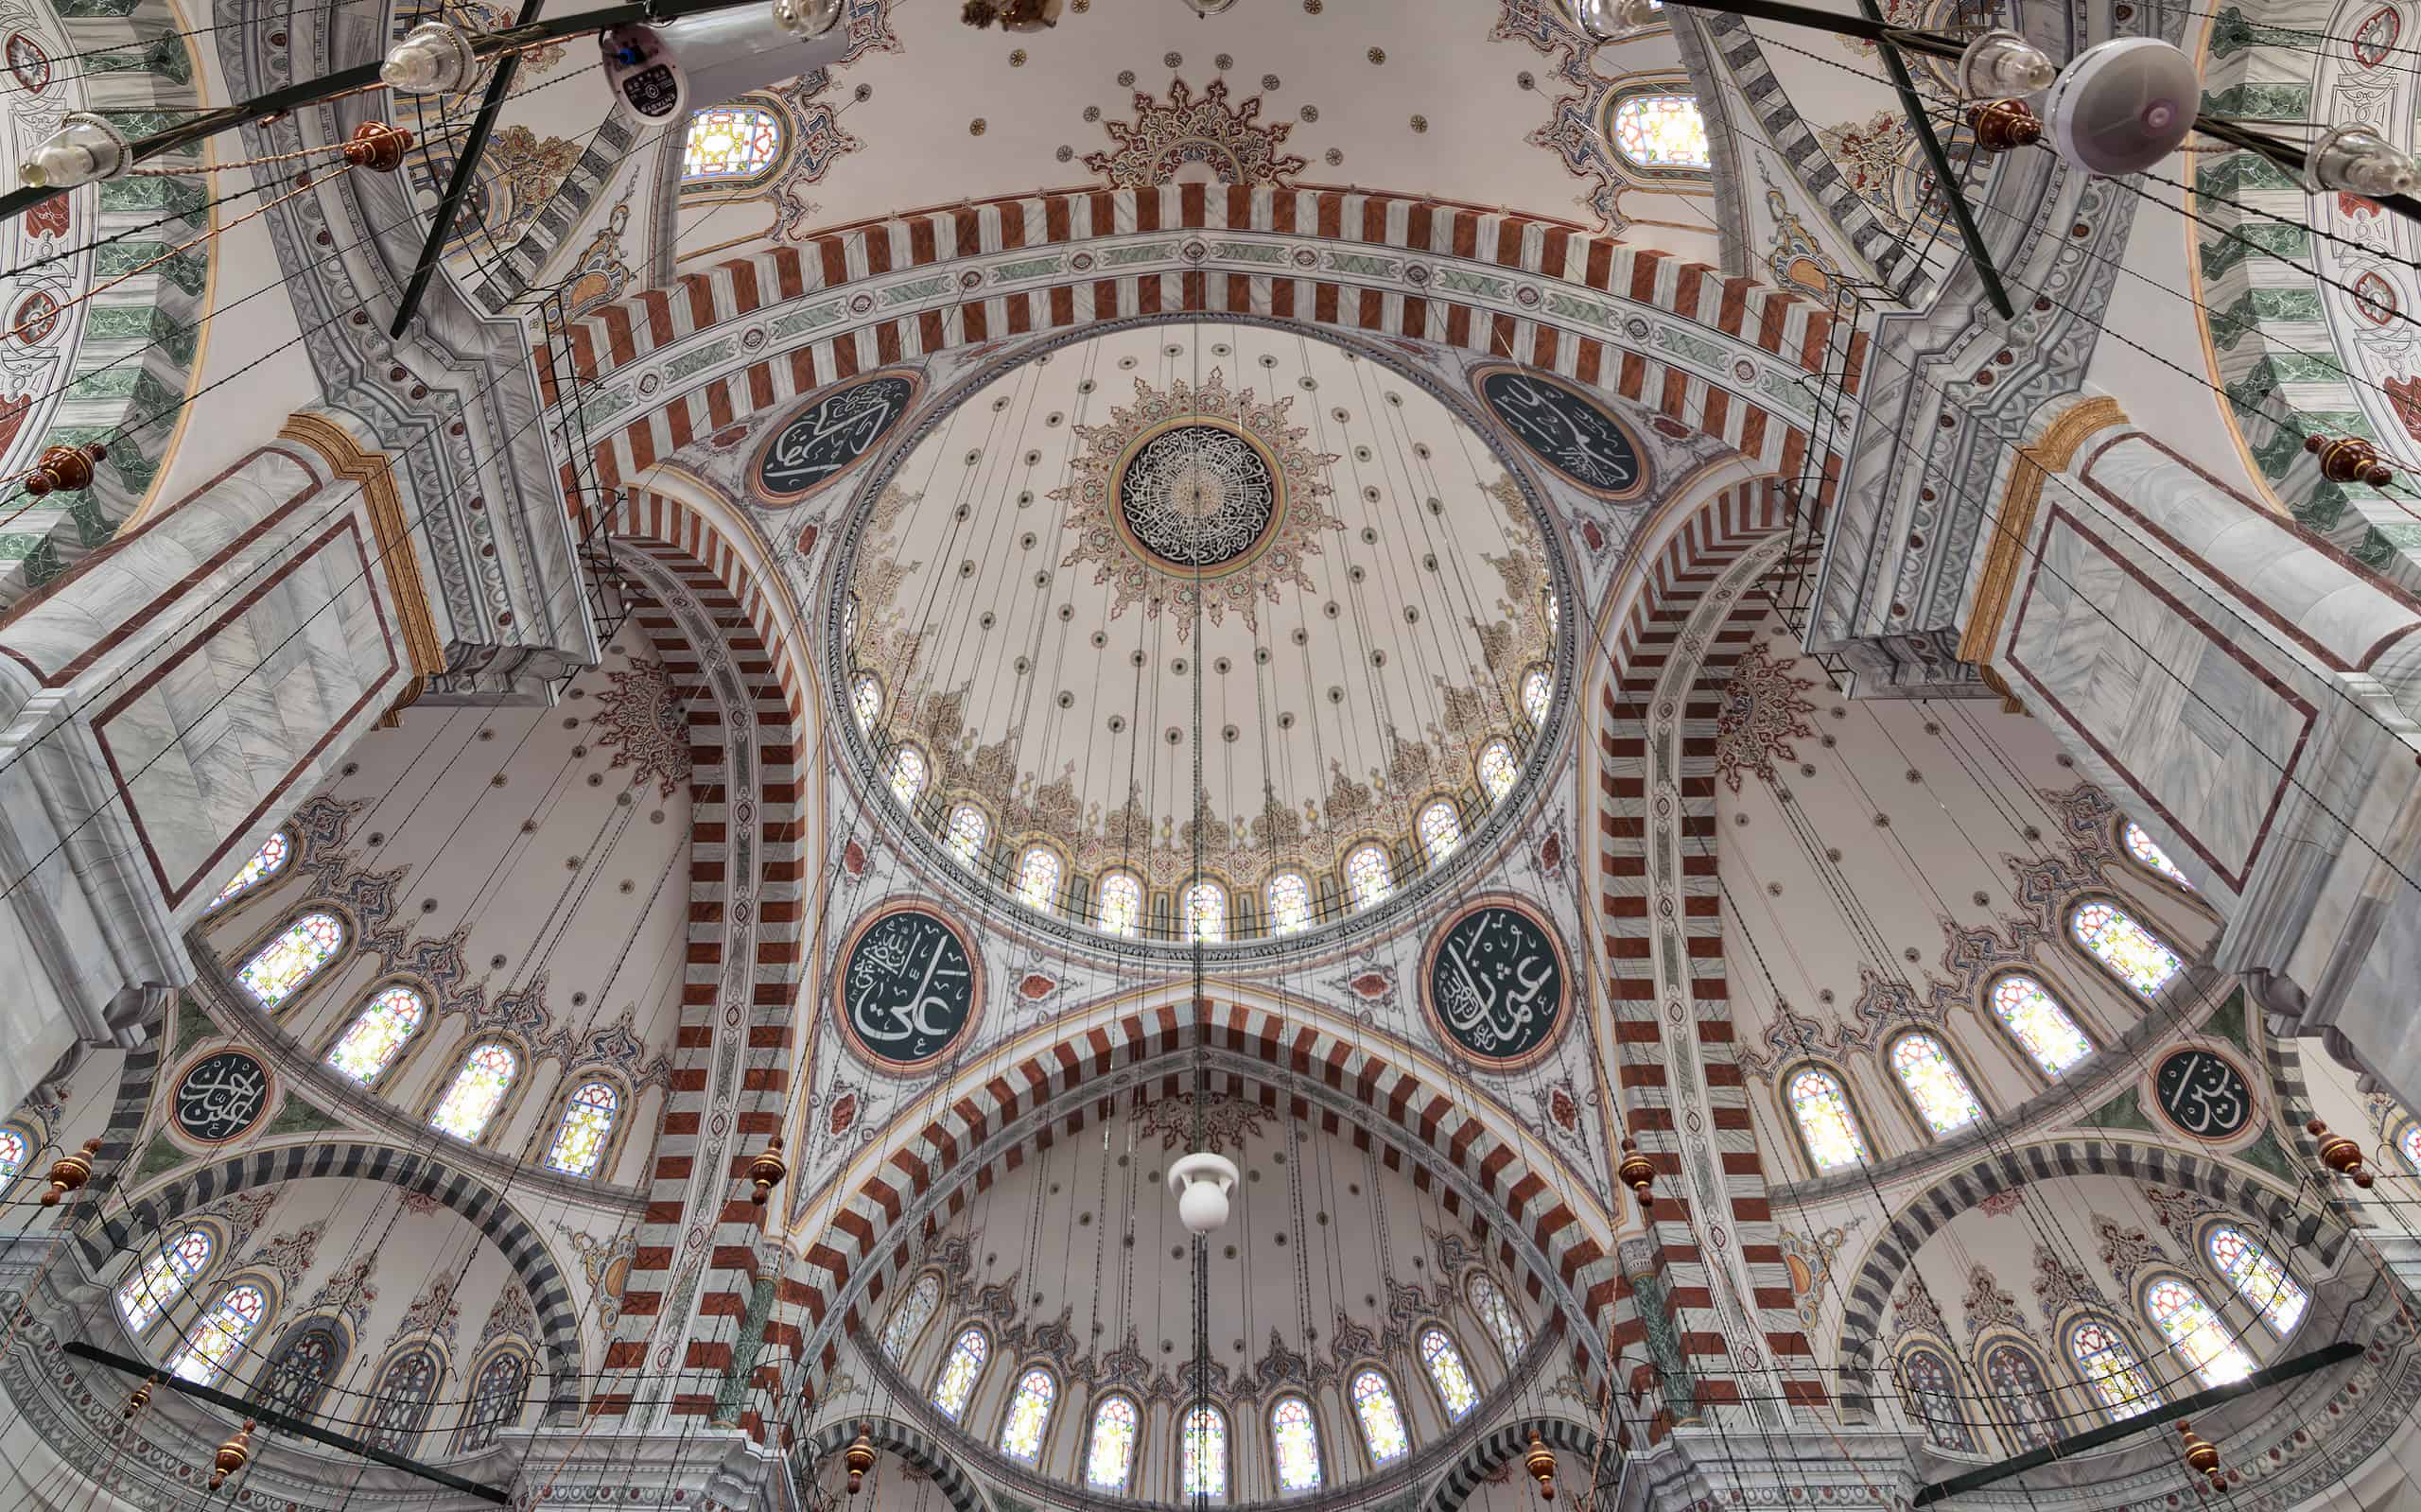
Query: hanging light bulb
x=2000, y=64
x=75, y=1168
x=232, y=1456
x=807, y=18
x=859, y=1458
x=1201, y=1183
x=2356, y=160
x=433, y=58
x=84, y=147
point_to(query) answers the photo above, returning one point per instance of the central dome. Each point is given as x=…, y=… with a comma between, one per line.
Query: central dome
x=1299, y=549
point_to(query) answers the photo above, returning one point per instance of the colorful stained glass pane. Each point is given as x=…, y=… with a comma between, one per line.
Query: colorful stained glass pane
x=580, y=1138
x=1383, y=1430
x=294, y=957
x=478, y=1091
x=1662, y=132
x=1941, y=1094
x=2196, y=1333
x=1203, y=1453
x=1290, y=903
x=865, y=701
x=16, y=1148
x=2257, y=1276
x=2131, y=952
x=1110, y=1457
x=967, y=830
x=1038, y=878
x=730, y=142
x=1121, y=904
x=217, y=1334
x=2109, y=1366
x=2408, y=1144
x=1448, y=1373
x=1502, y=1322
x=956, y=1383
x=907, y=1318
x=2041, y=1027
x=1822, y=1109
x=386, y=1023
x=1367, y=877
x=1441, y=830
x=1206, y=913
x=2015, y=1380
x=1497, y=770
x=1537, y=687
x=1295, y=1438
x=142, y=1296
x=2139, y=845
x=1931, y=1392
x=1029, y=1415
x=907, y=774
x=266, y=863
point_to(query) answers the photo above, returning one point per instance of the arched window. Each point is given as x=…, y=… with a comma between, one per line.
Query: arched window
x=497, y=1394
x=400, y=1403
x=968, y=828
x=2125, y=948
x=1447, y=1372
x=160, y=1281
x=1940, y=1093
x=907, y=774
x=2150, y=857
x=278, y=970
x=2108, y=1364
x=580, y=1138
x=479, y=1089
x=1206, y=912
x=2195, y=1331
x=1822, y=1105
x=1504, y=1323
x=1290, y=903
x=2256, y=1276
x=2016, y=1380
x=865, y=700
x=266, y=862
x=1367, y=877
x=2408, y=1144
x=378, y=1033
x=297, y=1374
x=1121, y=904
x=2041, y=1027
x=1931, y=1392
x=1498, y=771
x=218, y=1334
x=1029, y=1415
x=909, y=1318
x=1441, y=830
x=1038, y=878
x=1109, y=1459
x=1660, y=131
x=956, y=1383
x=1538, y=687
x=16, y=1148
x=731, y=145
x=1294, y=1443
x=1383, y=1430
x=1203, y=1454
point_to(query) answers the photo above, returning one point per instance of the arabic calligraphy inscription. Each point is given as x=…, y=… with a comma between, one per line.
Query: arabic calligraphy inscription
x=1565, y=429
x=2204, y=1094
x=908, y=988
x=1497, y=983
x=220, y=1096
x=831, y=435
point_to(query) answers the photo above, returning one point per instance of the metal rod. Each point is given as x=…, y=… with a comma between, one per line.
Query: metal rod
x=1944, y=173
x=284, y=1424
x=2199, y=1404
x=466, y=173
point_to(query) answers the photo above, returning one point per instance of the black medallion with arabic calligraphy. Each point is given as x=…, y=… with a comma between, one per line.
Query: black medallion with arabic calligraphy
x=908, y=988
x=220, y=1096
x=1565, y=429
x=839, y=429
x=1495, y=982
x=2204, y=1094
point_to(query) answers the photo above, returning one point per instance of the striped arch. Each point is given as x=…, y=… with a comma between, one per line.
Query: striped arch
x=1501, y=1446
x=924, y=1453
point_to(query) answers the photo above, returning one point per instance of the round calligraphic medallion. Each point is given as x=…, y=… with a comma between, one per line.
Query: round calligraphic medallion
x=220, y=1096
x=843, y=426
x=2204, y=1094
x=909, y=988
x=1494, y=983
x=1198, y=496
x=1563, y=427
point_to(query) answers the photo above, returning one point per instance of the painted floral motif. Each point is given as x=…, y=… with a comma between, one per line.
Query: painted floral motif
x=642, y=719
x=1765, y=709
x=1226, y=1121
x=1165, y=138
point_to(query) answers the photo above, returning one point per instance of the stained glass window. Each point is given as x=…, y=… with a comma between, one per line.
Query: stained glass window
x=1367, y=877
x=1537, y=687
x=1936, y=1401
x=1661, y=131
x=299, y=1372
x=266, y=863
x=1203, y=1454
x=478, y=1091
x=2016, y=1381
x=1441, y=830
x=580, y=1138
x=2109, y=1366
x=1122, y=903
x=907, y=774
x=16, y=1148
x=730, y=142
x=1206, y=912
x=1821, y=1106
x=2131, y=952
x=497, y=1394
x=1446, y=1370
x=907, y=1318
x=2408, y=1144
x=142, y=1296
x=956, y=1383
x=966, y=834
x=218, y=1334
x=1498, y=1315
x=865, y=700
x=1295, y=1438
x=2196, y=1333
x=1038, y=878
x=1374, y=1403
x=1110, y=1457
x=386, y=1023
x=2041, y=1027
x=1290, y=903
x=1029, y=1415
x=1941, y=1094
x=2256, y=1277
x=2139, y=845
x=406, y=1391
x=280, y=966
x=1497, y=770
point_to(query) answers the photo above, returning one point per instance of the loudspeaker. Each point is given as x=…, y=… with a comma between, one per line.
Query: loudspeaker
x=2121, y=106
x=666, y=70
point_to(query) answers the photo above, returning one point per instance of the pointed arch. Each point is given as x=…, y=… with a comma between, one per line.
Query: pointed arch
x=2020, y=1390
x=218, y=1337
x=291, y=958
x=2194, y=1329
x=1385, y=1434
x=2120, y=945
x=307, y=1360
x=1935, y=1084
x=908, y=1319
x=499, y=1386
x=1109, y=1444
x=1830, y=1135
x=954, y=1383
x=1294, y=1443
x=404, y=1393
x=584, y=1127
x=1933, y=1395
x=264, y=864
x=1447, y=1372
x=2253, y=1274
x=378, y=1033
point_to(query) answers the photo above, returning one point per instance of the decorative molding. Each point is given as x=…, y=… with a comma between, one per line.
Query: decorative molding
x=2057, y=449
x=375, y=476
